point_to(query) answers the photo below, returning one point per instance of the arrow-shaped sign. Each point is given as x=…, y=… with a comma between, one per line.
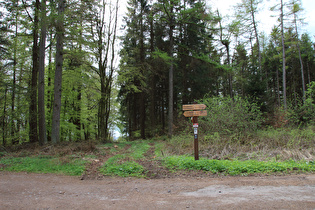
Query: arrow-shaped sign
x=195, y=113
x=194, y=107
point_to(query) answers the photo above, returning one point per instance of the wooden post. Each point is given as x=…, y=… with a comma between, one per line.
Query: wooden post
x=195, y=126
x=195, y=110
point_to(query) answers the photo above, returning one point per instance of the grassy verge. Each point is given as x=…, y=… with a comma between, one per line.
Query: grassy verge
x=135, y=159
x=73, y=167
x=236, y=167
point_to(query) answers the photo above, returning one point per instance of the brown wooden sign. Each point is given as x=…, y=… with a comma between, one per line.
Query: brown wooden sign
x=195, y=113
x=194, y=107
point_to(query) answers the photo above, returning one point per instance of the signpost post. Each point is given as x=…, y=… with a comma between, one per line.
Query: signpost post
x=194, y=111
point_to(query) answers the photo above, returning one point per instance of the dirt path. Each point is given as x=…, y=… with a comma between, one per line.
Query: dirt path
x=46, y=191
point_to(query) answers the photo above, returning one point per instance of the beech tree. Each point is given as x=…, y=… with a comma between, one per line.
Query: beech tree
x=105, y=29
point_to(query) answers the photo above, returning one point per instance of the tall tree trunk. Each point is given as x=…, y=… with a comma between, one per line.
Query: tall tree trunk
x=300, y=57
x=12, y=122
x=308, y=73
x=142, y=61
x=4, y=124
x=257, y=37
x=152, y=83
x=33, y=135
x=49, y=94
x=55, y=131
x=283, y=60
x=278, y=88
x=171, y=74
x=41, y=78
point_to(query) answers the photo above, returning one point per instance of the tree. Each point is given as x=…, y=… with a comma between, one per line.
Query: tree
x=106, y=30
x=4, y=44
x=168, y=9
x=246, y=14
x=295, y=9
x=146, y=63
x=55, y=131
x=283, y=58
x=225, y=40
x=41, y=77
x=33, y=113
x=281, y=19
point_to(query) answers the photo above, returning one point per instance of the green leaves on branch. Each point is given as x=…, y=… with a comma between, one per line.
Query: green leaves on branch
x=159, y=54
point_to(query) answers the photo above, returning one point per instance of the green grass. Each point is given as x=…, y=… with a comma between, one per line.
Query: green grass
x=127, y=157
x=138, y=150
x=73, y=167
x=124, y=169
x=125, y=165
x=236, y=167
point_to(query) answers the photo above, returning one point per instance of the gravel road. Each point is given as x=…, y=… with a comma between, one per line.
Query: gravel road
x=48, y=191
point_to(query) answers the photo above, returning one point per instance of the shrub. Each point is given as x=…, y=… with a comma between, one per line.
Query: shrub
x=304, y=113
x=227, y=115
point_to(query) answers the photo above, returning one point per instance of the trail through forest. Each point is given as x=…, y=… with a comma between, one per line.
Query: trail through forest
x=47, y=191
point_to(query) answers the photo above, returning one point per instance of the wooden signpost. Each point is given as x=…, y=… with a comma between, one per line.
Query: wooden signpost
x=194, y=111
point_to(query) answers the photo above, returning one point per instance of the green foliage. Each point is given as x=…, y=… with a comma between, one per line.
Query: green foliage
x=304, y=113
x=162, y=55
x=236, y=167
x=128, y=168
x=227, y=115
x=74, y=167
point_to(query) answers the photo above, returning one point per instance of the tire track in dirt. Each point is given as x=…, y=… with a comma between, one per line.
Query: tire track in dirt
x=92, y=169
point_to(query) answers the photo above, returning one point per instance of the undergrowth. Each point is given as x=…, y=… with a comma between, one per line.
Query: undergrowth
x=237, y=167
x=240, y=155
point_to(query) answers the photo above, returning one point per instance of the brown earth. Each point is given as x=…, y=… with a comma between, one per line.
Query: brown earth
x=47, y=191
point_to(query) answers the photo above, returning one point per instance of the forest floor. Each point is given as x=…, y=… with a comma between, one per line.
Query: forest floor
x=161, y=189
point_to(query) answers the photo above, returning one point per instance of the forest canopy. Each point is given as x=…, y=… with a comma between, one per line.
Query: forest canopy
x=60, y=79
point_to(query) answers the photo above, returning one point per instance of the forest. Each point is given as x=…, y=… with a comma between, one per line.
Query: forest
x=73, y=71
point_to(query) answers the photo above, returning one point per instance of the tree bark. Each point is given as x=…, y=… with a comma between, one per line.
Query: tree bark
x=171, y=75
x=142, y=61
x=300, y=57
x=283, y=60
x=41, y=78
x=55, y=131
x=4, y=117
x=256, y=36
x=33, y=135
